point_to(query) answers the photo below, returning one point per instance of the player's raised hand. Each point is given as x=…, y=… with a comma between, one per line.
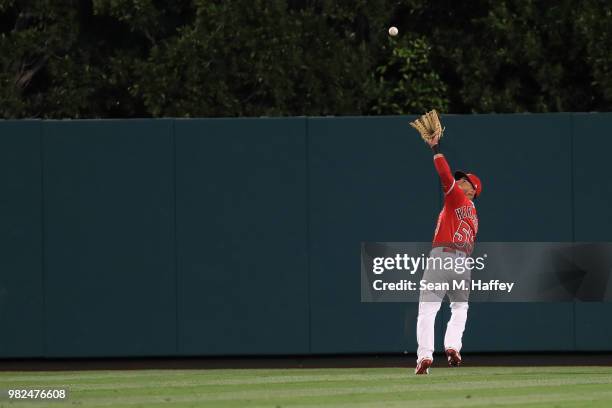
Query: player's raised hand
x=435, y=139
x=429, y=127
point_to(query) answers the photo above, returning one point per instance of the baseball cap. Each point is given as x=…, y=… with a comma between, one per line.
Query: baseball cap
x=472, y=178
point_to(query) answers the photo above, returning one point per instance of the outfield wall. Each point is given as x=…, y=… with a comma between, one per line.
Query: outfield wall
x=241, y=236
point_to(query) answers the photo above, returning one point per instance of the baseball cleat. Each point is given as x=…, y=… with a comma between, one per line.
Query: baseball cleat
x=454, y=358
x=423, y=366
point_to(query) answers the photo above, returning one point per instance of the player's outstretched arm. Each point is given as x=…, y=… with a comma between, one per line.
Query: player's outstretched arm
x=442, y=167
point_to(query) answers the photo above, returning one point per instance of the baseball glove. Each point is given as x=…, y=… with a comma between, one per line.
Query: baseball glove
x=428, y=125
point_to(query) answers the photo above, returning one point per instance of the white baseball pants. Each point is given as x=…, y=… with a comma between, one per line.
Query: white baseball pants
x=429, y=309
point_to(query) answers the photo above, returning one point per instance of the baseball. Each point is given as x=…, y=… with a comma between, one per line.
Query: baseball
x=393, y=31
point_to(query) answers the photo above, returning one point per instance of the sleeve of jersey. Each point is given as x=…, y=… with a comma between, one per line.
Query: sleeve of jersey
x=443, y=169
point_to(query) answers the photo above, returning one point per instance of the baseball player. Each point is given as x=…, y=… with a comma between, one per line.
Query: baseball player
x=454, y=237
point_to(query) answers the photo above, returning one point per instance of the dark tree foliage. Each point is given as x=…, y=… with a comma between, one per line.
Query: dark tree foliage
x=186, y=58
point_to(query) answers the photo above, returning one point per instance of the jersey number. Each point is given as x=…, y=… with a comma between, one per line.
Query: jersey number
x=463, y=237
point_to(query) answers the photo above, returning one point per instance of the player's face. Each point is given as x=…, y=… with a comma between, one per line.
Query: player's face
x=467, y=188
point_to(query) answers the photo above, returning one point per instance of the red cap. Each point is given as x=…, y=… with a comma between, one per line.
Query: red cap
x=472, y=178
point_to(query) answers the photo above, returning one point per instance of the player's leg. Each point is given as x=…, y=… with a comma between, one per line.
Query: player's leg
x=429, y=304
x=454, y=332
x=425, y=330
x=456, y=324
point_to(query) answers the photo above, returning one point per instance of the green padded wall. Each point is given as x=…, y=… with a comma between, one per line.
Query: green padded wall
x=592, y=216
x=110, y=282
x=21, y=279
x=370, y=180
x=242, y=236
x=524, y=162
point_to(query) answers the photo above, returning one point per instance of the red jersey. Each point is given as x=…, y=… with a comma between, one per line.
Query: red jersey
x=457, y=222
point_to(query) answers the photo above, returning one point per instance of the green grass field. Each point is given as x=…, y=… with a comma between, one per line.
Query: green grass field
x=361, y=387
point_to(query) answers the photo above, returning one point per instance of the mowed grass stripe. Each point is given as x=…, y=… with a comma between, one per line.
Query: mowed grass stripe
x=316, y=390
x=367, y=400
x=599, y=400
x=328, y=387
x=241, y=376
x=193, y=377
x=400, y=383
x=217, y=384
x=405, y=392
